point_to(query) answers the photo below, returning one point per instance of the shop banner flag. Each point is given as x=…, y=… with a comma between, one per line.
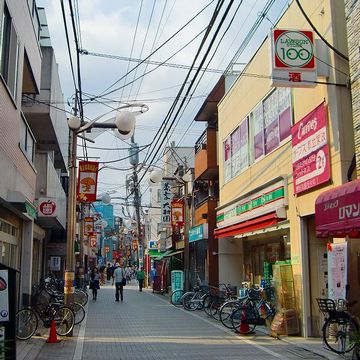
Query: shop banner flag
x=87, y=181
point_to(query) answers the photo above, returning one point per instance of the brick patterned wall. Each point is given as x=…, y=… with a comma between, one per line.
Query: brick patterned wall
x=352, y=8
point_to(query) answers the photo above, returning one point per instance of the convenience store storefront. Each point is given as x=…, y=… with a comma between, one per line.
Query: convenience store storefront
x=253, y=233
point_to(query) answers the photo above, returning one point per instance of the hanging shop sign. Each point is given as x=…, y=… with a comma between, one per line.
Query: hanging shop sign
x=93, y=241
x=199, y=232
x=337, y=270
x=259, y=202
x=177, y=213
x=293, y=58
x=134, y=245
x=310, y=150
x=88, y=226
x=87, y=181
x=153, y=245
x=166, y=198
x=47, y=207
x=55, y=263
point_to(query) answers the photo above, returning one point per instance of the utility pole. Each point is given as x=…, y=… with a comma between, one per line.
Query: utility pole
x=134, y=161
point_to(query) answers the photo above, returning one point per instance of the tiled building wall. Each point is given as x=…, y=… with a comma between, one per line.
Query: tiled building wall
x=353, y=26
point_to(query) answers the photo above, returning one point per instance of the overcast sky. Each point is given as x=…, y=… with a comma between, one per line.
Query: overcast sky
x=134, y=29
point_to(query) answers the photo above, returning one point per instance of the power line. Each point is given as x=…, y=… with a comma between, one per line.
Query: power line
x=157, y=49
x=319, y=34
x=152, y=62
x=212, y=21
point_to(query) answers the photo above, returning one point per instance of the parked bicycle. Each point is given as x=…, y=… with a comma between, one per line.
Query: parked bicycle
x=252, y=311
x=219, y=296
x=194, y=300
x=340, y=328
x=27, y=319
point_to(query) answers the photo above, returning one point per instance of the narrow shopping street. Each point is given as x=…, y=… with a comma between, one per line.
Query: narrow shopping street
x=147, y=326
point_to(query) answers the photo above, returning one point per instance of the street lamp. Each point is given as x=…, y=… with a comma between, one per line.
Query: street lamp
x=123, y=125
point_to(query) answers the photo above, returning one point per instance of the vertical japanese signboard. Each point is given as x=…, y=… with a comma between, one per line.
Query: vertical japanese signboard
x=87, y=181
x=293, y=58
x=177, y=213
x=310, y=151
x=166, y=198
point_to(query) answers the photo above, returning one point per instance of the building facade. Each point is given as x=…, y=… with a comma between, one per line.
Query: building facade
x=33, y=149
x=268, y=189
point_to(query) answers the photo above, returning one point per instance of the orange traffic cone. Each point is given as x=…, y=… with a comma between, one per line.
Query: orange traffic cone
x=52, y=335
x=244, y=326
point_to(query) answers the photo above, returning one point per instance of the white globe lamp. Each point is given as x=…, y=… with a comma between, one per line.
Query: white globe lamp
x=106, y=199
x=155, y=176
x=125, y=123
x=74, y=122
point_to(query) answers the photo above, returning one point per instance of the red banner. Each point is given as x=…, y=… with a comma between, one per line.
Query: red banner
x=177, y=213
x=87, y=181
x=88, y=226
x=310, y=150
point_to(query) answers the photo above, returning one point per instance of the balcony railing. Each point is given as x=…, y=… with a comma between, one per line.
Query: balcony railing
x=201, y=142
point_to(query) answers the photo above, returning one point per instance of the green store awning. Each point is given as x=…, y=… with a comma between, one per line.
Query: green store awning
x=162, y=255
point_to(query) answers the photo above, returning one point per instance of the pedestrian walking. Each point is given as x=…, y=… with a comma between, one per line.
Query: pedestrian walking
x=140, y=275
x=94, y=282
x=128, y=274
x=153, y=274
x=119, y=279
x=108, y=272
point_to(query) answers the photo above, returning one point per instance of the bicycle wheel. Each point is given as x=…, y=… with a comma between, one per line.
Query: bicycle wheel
x=241, y=317
x=176, y=297
x=79, y=312
x=215, y=308
x=206, y=301
x=339, y=333
x=81, y=297
x=64, y=320
x=187, y=302
x=26, y=324
x=226, y=312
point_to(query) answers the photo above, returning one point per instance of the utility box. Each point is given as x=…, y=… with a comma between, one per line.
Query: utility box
x=7, y=312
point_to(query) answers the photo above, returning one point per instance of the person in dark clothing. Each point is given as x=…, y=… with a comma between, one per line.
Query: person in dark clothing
x=108, y=272
x=94, y=282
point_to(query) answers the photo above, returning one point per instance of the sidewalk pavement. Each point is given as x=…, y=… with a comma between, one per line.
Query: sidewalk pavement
x=101, y=333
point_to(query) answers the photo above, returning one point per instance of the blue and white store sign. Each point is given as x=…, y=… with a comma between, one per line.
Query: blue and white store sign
x=199, y=232
x=153, y=245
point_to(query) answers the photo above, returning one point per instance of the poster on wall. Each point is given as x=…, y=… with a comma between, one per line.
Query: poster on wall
x=310, y=150
x=235, y=153
x=337, y=270
x=244, y=144
x=227, y=159
x=257, y=121
x=271, y=122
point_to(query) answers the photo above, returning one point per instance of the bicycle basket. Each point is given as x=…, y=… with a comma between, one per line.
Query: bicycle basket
x=254, y=294
x=326, y=305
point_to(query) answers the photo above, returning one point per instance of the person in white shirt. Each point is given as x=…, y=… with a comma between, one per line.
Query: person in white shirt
x=119, y=279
